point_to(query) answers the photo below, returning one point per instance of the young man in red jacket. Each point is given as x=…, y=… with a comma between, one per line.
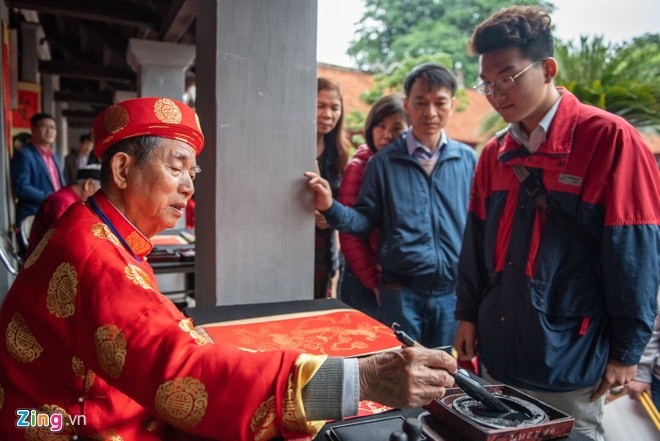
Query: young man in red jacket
x=559, y=268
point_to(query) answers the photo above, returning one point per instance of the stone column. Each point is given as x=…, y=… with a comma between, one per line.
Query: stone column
x=256, y=99
x=160, y=66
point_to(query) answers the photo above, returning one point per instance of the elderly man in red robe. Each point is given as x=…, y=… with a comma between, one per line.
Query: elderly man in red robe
x=86, y=332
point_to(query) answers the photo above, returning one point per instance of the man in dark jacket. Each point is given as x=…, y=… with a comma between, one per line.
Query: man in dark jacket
x=416, y=191
x=35, y=168
x=79, y=158
x=559, y=269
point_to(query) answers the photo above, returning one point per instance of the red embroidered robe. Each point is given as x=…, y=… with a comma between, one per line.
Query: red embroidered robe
x=87, y=333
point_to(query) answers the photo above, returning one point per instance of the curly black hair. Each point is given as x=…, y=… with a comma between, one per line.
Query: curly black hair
x=525, y=27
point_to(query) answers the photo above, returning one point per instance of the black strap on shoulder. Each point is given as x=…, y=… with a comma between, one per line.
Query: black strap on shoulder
x=557, y=217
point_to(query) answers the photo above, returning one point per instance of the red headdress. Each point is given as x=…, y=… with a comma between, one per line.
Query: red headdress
x=150, y=116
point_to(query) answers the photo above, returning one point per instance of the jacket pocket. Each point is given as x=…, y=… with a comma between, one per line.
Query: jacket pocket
x=565, y=303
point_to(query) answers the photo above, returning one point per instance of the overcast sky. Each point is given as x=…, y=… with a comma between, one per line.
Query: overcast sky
x=616, y=20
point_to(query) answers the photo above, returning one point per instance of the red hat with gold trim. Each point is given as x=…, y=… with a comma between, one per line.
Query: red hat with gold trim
x=150, y=116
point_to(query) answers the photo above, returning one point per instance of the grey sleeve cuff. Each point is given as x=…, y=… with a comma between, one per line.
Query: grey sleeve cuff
x=334, y=391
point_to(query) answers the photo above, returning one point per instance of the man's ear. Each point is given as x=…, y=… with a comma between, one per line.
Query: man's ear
x=120, y=166
x=551, y=69
x=406, y=106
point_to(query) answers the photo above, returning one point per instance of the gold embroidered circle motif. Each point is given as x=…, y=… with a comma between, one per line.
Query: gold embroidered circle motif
x=110, y=345
x=115, y=118
x=39, y=248
x=136, y=275
x=43, y=433
x=263, y=421
x=138, y=243
x=62, y=289
x=21, y=343
x=182, y=401
x=102, y=231
x=167, y=111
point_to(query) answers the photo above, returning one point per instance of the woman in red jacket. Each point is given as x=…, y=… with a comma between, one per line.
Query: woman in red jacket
x=361, y=284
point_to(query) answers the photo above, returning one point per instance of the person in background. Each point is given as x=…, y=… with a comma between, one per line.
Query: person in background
x=20, y=139
x=416, y=192
x=86, y=331
x=35, y=168
x=332, y=150
x=86, y=184
x=79, y=158
x=648, y=370
x=559, y=269
x=360, y=288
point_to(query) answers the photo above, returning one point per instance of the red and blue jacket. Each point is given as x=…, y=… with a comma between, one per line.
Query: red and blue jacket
x=550, y=310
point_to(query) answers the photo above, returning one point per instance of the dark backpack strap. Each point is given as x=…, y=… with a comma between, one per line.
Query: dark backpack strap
x=557, y=217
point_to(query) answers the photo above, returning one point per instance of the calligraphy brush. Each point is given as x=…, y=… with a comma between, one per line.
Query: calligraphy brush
x=470, y=386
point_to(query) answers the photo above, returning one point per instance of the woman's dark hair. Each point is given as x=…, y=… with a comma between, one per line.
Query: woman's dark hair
x=384, y=107
x=336, y=136
x=139, y=148
x=526, y=27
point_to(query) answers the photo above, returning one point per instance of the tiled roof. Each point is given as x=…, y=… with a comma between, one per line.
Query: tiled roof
x=352, y=82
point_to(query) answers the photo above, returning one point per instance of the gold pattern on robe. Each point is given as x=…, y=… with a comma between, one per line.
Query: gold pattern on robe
x=167, y=111
x=2, y=396
x=263, y=421
x=78, y=366
x=62, y=289
x=293, y=409
x=43, y=433
x=115, y=118
x=292, y=418
x=39, y=248
x=90, y=376
x=136, y=275
x=81, y=371
x=182, y=401
x=110, y=349
x=21, y=343
x=186, y=325
x=102, y=231
x=138, y=243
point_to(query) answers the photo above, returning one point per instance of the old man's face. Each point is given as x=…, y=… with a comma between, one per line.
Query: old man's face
x=156, y=193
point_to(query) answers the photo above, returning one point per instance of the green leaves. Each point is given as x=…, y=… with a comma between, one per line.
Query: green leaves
x=623, y=79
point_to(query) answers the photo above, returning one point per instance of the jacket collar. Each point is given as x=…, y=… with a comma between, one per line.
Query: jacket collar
x=553, y=153
x=136, y=242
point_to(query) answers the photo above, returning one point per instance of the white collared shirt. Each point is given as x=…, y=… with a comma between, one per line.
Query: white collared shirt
x=533, y=141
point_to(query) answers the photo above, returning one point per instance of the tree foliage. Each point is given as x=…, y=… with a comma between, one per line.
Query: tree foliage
x=391, y=31
x=623, y=79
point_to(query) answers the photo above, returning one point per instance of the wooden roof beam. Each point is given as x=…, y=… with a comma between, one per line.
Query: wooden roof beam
x=103, y=11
